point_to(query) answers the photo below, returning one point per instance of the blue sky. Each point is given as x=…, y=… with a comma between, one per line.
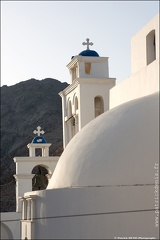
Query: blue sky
x=38, y=38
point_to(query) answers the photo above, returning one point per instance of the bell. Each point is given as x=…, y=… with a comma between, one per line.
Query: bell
x=40, y=180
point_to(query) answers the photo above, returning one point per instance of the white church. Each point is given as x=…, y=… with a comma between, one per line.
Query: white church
x=105, y=184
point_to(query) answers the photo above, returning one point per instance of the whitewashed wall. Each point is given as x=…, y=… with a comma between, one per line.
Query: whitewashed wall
x=10, y=225
x=140, y=84
x=145, y=78
x=138, y=45
x=95, y=212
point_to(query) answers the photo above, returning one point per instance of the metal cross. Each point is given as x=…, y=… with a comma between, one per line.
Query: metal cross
x=38, y=131
x=87, y=43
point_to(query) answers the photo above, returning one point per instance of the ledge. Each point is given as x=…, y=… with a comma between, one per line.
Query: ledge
x=38, y=159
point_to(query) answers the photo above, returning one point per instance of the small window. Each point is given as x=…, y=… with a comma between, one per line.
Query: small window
x=87, y=68
x=151, y=47
x=98, y=104
x=76, y=103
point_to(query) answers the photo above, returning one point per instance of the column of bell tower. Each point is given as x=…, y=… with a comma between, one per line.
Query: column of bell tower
x=88, y=94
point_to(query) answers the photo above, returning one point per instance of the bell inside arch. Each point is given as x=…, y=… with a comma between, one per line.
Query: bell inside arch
x=39, y=181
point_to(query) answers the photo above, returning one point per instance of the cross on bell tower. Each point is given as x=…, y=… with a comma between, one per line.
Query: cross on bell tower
x=38, y=142
x=38, y=131
x=87, y=43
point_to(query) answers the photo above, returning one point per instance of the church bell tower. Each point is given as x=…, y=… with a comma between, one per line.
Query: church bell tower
x=25, y=165
x=88, y=94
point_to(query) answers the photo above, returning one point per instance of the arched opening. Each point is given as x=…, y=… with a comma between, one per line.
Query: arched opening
x=76, y=103
x=74, y=73
x=73, y=120
x=69, y=120
x=151, y=47
x=38, y=152
x=98, y=106
x=6, y=232
x=69, y=113
x=40, y=180
x=76, y=115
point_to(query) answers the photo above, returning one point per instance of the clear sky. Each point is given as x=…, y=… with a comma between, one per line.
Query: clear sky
x=38, y=38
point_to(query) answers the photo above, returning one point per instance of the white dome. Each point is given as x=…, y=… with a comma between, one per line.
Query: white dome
x=120, y=147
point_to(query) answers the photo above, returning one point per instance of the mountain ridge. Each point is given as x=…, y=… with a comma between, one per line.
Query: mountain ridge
x=24, y=106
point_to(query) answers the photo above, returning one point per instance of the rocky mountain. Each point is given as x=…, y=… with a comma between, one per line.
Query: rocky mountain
x=25, y=106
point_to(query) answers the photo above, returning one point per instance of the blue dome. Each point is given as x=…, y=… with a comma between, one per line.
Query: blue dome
x=89, y=53
x=39, y=139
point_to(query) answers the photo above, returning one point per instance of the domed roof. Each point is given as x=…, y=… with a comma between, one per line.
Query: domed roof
x=89, y=53
x=120, y=147
x=39, y=139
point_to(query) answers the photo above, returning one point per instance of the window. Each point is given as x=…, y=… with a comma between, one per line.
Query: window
x=87, y=68
x=98, y=105
x=151, y=47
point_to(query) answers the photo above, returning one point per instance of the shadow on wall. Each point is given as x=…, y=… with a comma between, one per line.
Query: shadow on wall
x=6, y=232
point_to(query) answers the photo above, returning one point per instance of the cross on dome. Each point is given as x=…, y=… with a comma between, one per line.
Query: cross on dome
x=87, y=43
x=38, y=131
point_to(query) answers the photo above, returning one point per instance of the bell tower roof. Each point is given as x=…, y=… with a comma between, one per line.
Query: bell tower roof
x=88, y=52
x=39, y=139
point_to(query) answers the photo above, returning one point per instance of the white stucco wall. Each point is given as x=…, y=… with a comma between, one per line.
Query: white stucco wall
x=89, y=89
x=144, y=79
x=23, y=176
x=95, y=212
x=25, y=165
x=142, y=83
x=85, y=89
x=10, y=225
x=138, y=45
x=99, y=67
